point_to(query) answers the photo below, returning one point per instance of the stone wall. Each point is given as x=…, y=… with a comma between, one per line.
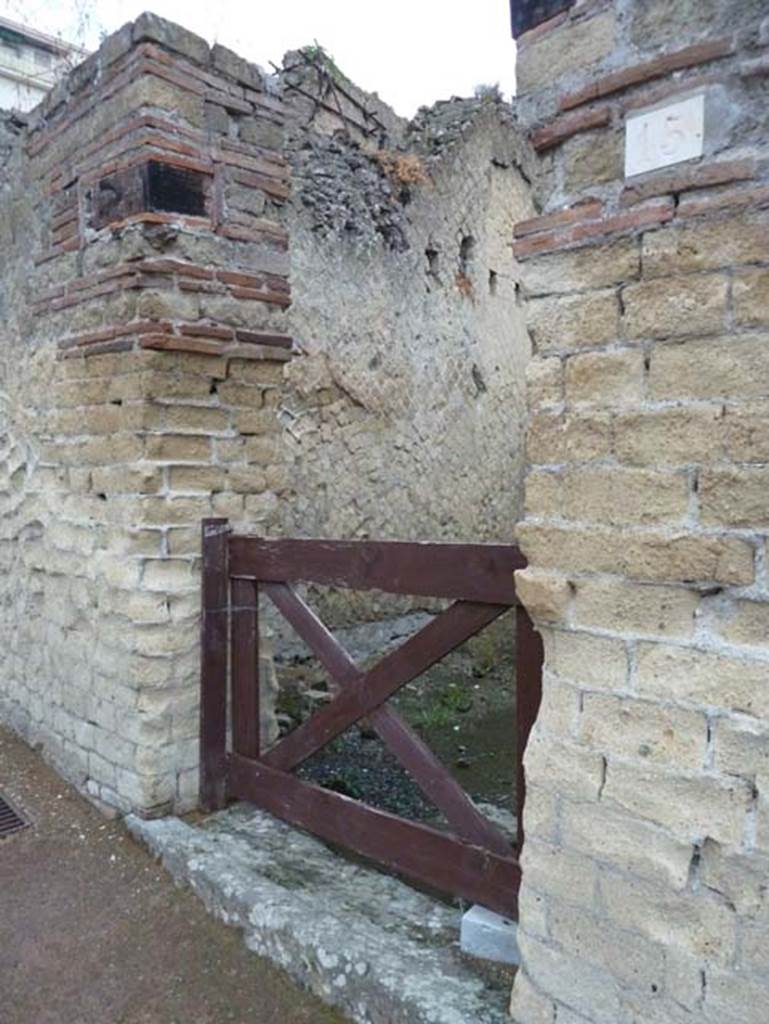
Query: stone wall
x=644, y=895
x=143, y=291
x=405, y=406
x=148, y=376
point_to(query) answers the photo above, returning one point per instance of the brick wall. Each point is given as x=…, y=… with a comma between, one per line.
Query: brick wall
x=142, y=350
x=644, y=895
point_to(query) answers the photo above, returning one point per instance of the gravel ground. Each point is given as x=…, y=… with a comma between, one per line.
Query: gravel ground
x=92, y=931
x=363, y=768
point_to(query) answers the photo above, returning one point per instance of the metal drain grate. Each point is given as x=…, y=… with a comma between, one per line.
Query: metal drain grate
x=10, y=819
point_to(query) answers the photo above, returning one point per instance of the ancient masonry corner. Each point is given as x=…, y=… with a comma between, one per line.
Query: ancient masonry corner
x=144, y=343
x=157, y=368
x=144, y=347
x=644, y=893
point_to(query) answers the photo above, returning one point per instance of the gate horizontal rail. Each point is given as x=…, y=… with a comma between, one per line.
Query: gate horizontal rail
x=475, y=860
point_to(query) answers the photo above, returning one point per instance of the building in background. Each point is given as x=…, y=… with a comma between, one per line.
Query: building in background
x=29, y=64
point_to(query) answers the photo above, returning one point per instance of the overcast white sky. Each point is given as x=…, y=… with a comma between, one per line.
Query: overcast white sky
x=409, y=51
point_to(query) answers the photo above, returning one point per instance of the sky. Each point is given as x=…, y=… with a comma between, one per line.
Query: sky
x=412, y=52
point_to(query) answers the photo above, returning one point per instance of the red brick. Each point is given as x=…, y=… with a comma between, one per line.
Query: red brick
x=537, y=244
x=98, y=348
x=118, y=331
x=69, y=216
x=268, y=185
x=241, y=234
x=174, y=343
x=694, y=206
x=158, y=54
x=159, y=218
x=666, y=90
x=262, y=338
x=240, y=279
x=175, y=76
x=58, y=250
x=690, y=56
x=205, y=287
x=688, y=178
x=175, y=267
x=87, y=281
x=274, y=298
x=65, y=234
x=563, y=128
x=278, y=284
x=76, y=341
x=194, y=163
x=86, y=294
x=186, y=161
x=207, y=331
x=136, y=153
x=587, y=209
x=657, y=213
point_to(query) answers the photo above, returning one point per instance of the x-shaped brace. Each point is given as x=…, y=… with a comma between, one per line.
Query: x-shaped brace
x=364, y=694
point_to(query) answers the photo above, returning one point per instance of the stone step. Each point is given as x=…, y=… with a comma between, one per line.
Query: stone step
x=380, y=951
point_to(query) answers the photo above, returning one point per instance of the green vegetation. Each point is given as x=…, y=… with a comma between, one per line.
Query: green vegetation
x=320, y=57
x=441, y=707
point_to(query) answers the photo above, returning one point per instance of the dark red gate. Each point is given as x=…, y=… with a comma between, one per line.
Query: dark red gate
x=474, y=861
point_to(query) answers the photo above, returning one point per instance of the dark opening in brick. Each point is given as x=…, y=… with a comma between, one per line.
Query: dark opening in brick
x=175, y=189
x=153, y=187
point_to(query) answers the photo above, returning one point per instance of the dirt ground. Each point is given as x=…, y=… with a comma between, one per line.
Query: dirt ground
x=92, y=931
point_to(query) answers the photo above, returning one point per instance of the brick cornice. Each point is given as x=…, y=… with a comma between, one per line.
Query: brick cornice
x=177, y=336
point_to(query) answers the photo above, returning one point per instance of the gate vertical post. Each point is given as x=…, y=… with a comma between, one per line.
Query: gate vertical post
x=245, y=668
x=213, y=665
x=529, y=655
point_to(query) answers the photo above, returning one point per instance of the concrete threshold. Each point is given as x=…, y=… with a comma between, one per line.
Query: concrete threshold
x=380, y=951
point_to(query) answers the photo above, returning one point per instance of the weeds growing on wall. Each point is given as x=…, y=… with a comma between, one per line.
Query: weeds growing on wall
x=403, y=168
x=321, y=58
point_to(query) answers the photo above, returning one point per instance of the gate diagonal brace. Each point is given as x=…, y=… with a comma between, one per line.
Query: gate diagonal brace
x=404, y=743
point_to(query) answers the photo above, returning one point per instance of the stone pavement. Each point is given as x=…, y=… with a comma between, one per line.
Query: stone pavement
x=92, y=931
x=380, y=950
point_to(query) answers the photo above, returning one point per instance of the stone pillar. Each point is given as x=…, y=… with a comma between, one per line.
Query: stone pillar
x=142, y=350
x=644, y=896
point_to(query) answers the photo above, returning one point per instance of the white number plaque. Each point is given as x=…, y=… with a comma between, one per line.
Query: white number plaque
x=664, y=135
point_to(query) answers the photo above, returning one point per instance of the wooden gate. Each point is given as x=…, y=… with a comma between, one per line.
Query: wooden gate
x=475, y=860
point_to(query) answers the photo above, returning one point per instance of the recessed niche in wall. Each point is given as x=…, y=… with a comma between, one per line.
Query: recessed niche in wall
x=466, y=253
x=154, y=187
x=173, y=189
